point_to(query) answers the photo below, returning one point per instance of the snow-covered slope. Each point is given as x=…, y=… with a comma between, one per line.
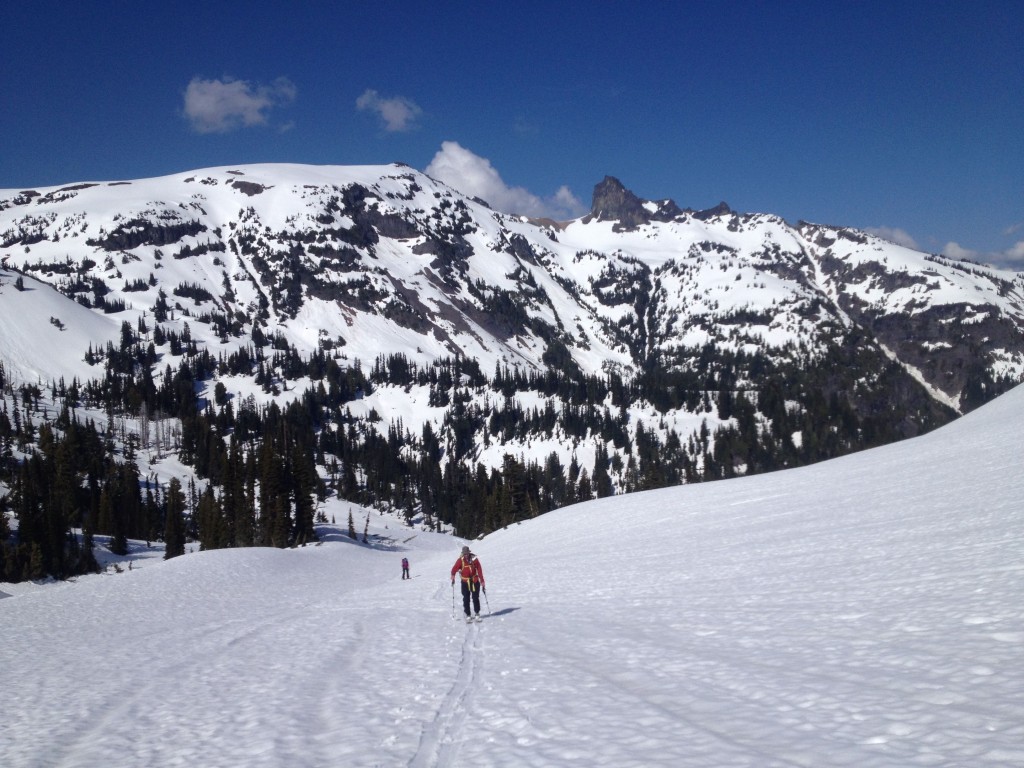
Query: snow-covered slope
x=44, y=336
x=865, y=611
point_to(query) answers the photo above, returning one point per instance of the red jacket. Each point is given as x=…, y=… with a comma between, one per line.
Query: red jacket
x=469, y=570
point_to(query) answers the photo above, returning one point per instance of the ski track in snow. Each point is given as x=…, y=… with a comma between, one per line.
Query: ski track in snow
x=440, y=743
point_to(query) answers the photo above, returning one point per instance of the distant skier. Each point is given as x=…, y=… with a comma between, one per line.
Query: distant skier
x=405, y=568
x=469, y=569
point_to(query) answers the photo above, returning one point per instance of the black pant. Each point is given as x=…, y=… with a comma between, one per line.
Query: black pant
x=470, y=588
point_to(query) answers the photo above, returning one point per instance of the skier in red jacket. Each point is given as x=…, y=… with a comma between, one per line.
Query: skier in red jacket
x=469, y=568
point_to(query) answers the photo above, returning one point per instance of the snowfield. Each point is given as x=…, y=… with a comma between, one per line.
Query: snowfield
x=861, y=612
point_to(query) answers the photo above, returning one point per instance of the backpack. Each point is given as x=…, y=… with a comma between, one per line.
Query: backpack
x=467, y=569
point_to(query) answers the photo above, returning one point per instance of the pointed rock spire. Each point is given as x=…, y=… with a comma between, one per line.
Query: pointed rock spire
x=613, y=202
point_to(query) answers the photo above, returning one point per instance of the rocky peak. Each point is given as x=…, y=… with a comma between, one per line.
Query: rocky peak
x=722, y=209
x=613, y=202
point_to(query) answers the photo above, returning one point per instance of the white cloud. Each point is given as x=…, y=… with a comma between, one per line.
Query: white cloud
x=896, y=235
x=1011, y=258
x=567, y=200
x=476, y=177
x=957, y=251
x=397, y=113
x=219, y=106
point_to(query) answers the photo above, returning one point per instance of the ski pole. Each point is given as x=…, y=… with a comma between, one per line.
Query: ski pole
x=453, y=598
x=487, y=601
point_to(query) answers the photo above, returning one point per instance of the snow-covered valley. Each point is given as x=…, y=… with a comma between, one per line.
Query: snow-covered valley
x=864, y=611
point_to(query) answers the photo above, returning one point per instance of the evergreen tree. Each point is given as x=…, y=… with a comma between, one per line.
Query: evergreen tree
x=601, y=480
x=5, y=532
x=213, y=532
x=174, y=516
x=302, y=473
x=584, y=491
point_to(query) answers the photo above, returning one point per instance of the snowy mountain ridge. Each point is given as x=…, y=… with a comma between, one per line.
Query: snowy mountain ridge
x=378, y=259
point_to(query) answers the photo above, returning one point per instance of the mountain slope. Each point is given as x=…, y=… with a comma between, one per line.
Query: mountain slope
x=347, y=255
x=435, y=356
x=864, y=611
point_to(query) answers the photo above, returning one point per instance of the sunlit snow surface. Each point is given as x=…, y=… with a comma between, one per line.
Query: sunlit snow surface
x=863, y=612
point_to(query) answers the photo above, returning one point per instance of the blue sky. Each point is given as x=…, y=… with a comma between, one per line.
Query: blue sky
x=903, y=117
